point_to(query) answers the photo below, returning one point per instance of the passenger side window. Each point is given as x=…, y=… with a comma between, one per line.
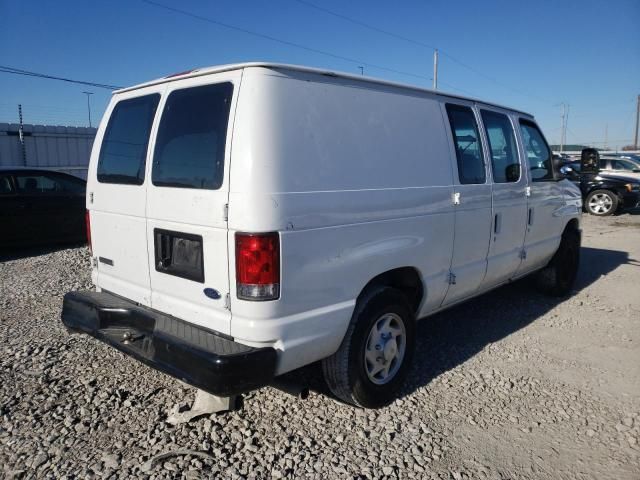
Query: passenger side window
x=190, y=147
x=5, y=185
x=538, y=152
x=467, y=142
x=71, y=186
x=623, y=165
x=124, y=147
x=36, y=184
x=502, y=147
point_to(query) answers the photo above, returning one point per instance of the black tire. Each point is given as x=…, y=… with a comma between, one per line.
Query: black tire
x=600, y=209
x=558, y=277
x=346, y=370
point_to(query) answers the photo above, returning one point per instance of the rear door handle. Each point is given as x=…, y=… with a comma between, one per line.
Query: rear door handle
x=497, y=221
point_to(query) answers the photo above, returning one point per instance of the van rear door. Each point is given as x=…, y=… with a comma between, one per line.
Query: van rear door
x=187, y=200
x=116, y=194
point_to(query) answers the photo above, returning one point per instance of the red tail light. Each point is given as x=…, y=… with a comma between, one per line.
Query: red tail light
x=87, y=224
x=258, y=266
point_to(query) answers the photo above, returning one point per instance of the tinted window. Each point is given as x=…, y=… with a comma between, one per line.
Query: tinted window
x=5, y=185
x=36, y=184
x=502, y=146
x=538, y=153
x=189, y=151
x=623, y=165
x=124, y=147
x=467, y=143
x=71, y=185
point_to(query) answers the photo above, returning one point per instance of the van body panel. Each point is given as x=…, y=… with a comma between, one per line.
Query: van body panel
x=546, y=222
x=118, y=219
x=351, y=199
x=472, y=215
x=509, y=215
x=195, y=212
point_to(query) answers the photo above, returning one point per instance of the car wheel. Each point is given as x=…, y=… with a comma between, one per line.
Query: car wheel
x=601, y=203
x=558, y=277
x=371, y=364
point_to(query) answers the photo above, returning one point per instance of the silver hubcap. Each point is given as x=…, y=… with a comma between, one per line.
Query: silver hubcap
x=385, y=348
x=600, y=203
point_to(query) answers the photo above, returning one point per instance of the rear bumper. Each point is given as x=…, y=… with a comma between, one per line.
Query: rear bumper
x=197, y=356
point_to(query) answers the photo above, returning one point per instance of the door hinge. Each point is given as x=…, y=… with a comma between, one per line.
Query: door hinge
x=456, y=198
x=527, y=192
x=227, y=302
x=451, y=278
x=523, y=255
x=225, y=212
x=90, y=197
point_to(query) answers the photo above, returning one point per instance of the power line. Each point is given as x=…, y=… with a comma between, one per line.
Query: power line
x=419, y=43
x=18, y=71
x=284, y=42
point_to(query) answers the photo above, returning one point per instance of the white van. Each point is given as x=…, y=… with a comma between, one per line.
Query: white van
x=250, y=219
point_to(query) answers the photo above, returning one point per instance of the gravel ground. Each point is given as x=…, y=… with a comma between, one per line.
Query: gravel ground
x=510, y=385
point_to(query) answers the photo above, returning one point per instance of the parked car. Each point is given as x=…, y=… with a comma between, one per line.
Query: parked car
x=635, y=157
x=620, y=166
x=247, y=220
x=604, y=192
x=40, y=207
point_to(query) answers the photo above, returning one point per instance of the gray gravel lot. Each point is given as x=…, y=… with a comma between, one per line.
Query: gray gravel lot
x=510, y=385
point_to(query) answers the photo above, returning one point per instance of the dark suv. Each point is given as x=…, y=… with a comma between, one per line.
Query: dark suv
x=602, y=193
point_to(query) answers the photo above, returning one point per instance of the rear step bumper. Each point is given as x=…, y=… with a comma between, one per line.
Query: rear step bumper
x=195, y=355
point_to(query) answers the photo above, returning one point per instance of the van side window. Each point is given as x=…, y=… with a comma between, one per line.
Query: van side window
x=467, y=142
x=538, y=152
x=189, y=151
x=124, y=147
x=502, y=147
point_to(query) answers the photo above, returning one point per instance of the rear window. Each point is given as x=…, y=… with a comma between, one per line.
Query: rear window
x=124, y=147
x=190, y=147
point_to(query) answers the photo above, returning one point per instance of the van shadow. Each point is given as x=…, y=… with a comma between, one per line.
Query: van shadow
x=17, y=253
x=449, y=338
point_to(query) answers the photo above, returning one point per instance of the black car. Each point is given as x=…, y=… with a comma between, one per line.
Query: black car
x=603, y=194
x=40, y=207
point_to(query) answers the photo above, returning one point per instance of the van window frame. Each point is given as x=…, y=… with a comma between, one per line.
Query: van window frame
x=555, y=177
x=139, y=179
x=481, y=144
x=518, y=156
x=225, y=140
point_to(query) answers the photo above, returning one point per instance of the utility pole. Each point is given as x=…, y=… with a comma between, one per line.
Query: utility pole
x=21, y=135
x=435, y=69
x=88, y=94
x=635, y=141
x=606, y=136
x=562, y=127
x=361, y=70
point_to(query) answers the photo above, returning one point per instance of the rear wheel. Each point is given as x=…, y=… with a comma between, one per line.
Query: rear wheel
x=601, y=203
x=371, y=364
x=558, y=277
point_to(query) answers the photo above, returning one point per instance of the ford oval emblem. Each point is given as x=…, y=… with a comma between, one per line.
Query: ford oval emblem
x=212, y=293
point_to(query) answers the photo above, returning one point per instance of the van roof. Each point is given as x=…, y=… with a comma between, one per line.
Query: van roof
x=299, y=68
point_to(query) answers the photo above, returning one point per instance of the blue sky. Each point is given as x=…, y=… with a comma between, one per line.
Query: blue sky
x=529, y=55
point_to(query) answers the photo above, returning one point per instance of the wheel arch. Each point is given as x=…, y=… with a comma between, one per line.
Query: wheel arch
x=405, y=279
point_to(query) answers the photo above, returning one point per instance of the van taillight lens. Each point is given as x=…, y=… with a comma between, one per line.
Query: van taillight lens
x=258, y=266
x=87, y=224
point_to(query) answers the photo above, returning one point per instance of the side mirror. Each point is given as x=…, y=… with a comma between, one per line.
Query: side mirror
x=590, y=160
x=568, y=172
